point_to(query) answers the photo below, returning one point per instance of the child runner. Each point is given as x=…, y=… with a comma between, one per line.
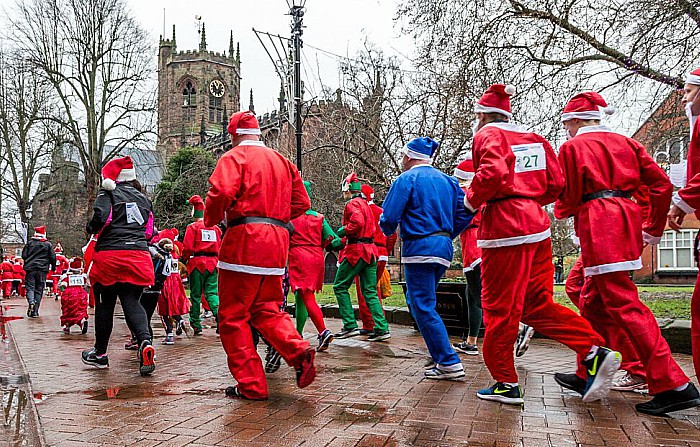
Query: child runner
x=74, y=297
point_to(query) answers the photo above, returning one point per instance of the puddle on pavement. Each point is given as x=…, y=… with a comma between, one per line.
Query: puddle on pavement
x=16, y=416
x=362, y=413
x=128, y=392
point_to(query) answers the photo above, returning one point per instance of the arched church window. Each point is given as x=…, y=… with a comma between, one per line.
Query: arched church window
x=189, y=101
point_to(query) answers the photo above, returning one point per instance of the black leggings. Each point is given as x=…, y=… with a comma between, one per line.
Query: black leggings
x=134, y=313
x=149, y=301
x=474, y=300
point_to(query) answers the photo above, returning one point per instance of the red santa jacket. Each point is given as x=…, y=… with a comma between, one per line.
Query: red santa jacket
x=61, y=265
x=306, y=259
x=517, y=173
x=471, y=253
x=18, y=272
x=359, y=224
x=252, y=180
x=385, y=245
x=7, y=270
x=610, y=229
x=200, y=248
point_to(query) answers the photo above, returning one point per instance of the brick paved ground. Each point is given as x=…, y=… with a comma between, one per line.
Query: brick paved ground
x=365, y=395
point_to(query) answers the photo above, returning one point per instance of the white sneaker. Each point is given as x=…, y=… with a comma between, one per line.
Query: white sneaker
x=439, y=373
x=628, y=382
x=522, y=343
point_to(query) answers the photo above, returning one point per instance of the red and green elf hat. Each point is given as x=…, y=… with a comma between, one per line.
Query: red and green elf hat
x=352, y=183
x=197, y=206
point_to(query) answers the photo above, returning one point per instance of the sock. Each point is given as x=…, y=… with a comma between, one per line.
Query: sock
x=682, y=387
x=592, y=352
x=511, y=384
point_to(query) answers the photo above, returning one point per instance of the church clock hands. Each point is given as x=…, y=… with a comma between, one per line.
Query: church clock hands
x=216, y=88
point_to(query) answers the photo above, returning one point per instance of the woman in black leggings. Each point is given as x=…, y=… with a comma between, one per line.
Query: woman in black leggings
x=121, y=265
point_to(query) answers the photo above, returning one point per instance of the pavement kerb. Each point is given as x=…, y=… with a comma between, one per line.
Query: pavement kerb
x=675, y=331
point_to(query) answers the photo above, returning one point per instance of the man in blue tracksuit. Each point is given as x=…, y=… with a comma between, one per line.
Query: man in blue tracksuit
x=428, y=207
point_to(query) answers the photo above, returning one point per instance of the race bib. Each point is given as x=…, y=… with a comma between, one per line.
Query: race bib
x=208, y=236
x=76, y=280
x=168, y=266
x=174, y=265
x=133, y=214
x=529, y=157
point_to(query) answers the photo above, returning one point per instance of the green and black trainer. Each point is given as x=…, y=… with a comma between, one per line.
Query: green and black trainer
x=503, y=393
x=601, y=369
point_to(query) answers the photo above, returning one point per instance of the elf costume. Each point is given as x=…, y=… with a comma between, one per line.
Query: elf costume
x=306, y=264
x=358, y=259
x=201, y=254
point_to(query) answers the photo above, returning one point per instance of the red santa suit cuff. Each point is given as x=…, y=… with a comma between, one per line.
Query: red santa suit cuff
x=680, y=203
x=649, y=239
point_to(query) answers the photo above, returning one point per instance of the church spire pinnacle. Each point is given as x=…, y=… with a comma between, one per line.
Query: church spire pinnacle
x=203, y=43
x=251, y=106
x=230, y=47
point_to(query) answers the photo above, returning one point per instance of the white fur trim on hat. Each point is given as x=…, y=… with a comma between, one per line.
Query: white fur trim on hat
x=248, y=132
x=692, y=79
x=587, y=115
x=126, y=175
x=109, y=184
x=478, y=108
x=463, y=175
x=410, y=153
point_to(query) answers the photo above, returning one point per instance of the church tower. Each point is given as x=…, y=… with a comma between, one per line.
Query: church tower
x=197, y=89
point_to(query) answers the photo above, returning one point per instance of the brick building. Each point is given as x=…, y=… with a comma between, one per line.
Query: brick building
x=665, y=135
x=197, y=90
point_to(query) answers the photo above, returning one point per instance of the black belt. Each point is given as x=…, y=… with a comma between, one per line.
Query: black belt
x=509, y=198
x=361, y=240
x=209, y=255
x=607, y=194
x=262, y=220
x=437, y=233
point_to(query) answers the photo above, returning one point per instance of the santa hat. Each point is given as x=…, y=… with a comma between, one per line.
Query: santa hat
x=166, y=234
x=117, y=170
x=243, y=123
x=586, y=106
x=175, y=233
x=351, y=183
x=58, y=248
x=465, y=170
x=693, y=77
x=496, y=100
x=197, y=206
x=75, y=264
x=39, y=232
x=422, y=148
x=367, y=193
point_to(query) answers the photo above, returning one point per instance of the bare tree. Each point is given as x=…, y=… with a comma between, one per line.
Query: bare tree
x=27, y=139
x=98, y=61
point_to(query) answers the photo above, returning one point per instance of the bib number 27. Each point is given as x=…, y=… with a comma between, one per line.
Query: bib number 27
x=529, y=157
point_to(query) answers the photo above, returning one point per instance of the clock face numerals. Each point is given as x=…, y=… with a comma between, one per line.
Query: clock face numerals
x=217, y=88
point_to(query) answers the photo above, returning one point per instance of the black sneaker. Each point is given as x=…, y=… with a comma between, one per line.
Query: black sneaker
x=522, y=343
x=379, y=336
x=197, y=332
x=179, y=327
x=233, y=391
x=364, y=331
x=324, y=340
x=571, y=382
x=147, y=358
x=347, y=333
x=670, y=401
x=30, y=310
x=132, y=345
x=466, y=348
x=273, y=360
x=91, y=358
x=601, y=370
x=84, y=328
x=505, y=394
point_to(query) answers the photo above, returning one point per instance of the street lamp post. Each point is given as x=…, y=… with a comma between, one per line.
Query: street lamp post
x=297, y=13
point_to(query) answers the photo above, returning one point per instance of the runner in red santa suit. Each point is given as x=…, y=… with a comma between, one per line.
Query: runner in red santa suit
x=385, y=245
x=18, y=278
x=471, y=265
x=88, y=253
x=603, y=169
x=517, y=173
x=74, y=297
x=7, y=277
x=61, y=266
x=258, y=192
x=685, y=201
x=121, y=265
x=172, y=300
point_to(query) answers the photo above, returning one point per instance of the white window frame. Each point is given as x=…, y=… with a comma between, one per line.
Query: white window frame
x=675, y=236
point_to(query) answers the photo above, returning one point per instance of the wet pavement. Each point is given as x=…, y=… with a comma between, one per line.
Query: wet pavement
x=366, y=395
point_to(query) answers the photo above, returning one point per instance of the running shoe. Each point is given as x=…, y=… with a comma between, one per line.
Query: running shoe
x=571, y=382
x=466, y=348
x=169, y=340
x=84, y=327
x=379, y=336
x=347, y=333
x=90, y=357
x=324, y=340
x=235, y=392
x=503, y=393
x=601, y=370
x=306, y=371
x=437, y=373
x=628, y=382
x=670, y=401
x=429, y=364
x=147, y=358
x=131, y=345
x=273, y=360
x=523, y=341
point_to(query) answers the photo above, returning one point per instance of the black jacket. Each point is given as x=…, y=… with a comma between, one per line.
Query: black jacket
x=131, y=216
x=38, y=256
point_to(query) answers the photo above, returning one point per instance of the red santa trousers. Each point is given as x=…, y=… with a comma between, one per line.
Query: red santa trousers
x=524, y=293
x=74, y=306
x=615, y=337
x=365, y=314
x=255, y=300
x=6, y=287
x=614, y=301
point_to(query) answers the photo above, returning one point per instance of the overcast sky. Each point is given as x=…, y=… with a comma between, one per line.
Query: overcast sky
x=337, y=26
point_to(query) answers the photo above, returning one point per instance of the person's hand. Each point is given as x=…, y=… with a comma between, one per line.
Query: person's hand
x=675, y=218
